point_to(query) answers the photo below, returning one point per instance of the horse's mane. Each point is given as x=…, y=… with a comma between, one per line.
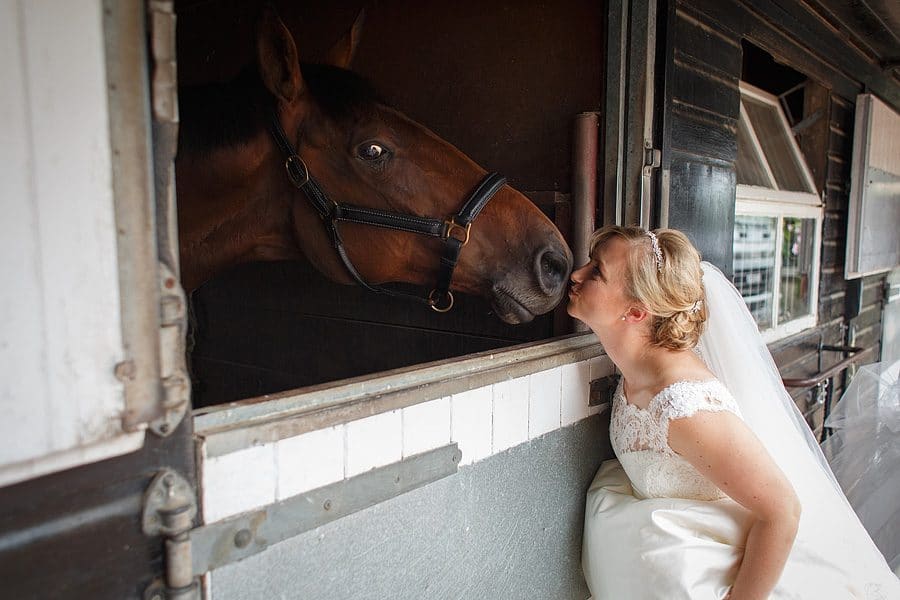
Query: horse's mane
x=217, y=115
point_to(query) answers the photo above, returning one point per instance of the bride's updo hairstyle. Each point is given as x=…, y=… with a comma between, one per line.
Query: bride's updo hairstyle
x=669, y=285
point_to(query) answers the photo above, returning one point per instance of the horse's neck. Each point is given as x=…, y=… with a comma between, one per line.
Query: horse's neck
x=230, y=213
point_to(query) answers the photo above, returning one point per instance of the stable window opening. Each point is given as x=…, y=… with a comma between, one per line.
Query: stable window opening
x=778, y=219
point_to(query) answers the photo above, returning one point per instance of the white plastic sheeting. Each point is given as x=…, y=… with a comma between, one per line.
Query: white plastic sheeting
x=864, y=452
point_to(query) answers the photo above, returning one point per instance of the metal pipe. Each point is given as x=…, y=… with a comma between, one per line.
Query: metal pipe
x=584, y=183
x=586, y=140
x=858, y=354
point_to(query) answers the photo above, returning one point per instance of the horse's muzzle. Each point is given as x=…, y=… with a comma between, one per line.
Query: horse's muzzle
x=552, y=270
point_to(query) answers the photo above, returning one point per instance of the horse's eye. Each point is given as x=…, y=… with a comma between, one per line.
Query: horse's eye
x=371, y=151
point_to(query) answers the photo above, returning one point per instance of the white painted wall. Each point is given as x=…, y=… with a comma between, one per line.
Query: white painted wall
x=60, y=330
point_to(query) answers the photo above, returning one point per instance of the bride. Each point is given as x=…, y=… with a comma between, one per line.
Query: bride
x=719, y=490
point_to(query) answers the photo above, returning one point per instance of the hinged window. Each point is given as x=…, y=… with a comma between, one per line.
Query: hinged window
x=778, y=220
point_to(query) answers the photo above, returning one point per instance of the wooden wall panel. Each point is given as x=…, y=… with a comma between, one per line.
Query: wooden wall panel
x=699, y=120
x=702, y=103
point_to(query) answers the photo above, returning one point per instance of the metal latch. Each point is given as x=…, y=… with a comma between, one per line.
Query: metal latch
x=652, y=157
x=170, y=508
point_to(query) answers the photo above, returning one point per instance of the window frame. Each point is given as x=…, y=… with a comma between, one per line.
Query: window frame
x=752, y=200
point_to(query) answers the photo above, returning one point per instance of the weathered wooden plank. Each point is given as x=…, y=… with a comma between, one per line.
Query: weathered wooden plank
x=816, y=101
x=794, y=350
x=833, y=252
x=836, y=203
x=834, y=226
x=701, y=203
x=705, y=90
x=795, y=18
x=832, y=281
x=702, y=135
x=869, y=316
x=737, y=17
x=719, y=49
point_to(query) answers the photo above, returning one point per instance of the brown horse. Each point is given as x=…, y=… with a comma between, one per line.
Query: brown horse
x=236, y=203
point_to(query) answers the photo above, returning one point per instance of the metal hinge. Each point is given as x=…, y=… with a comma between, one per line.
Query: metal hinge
x=161, y=15
x=170, y=508
x=173, y=368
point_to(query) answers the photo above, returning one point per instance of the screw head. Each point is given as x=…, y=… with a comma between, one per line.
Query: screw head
x=242, y=538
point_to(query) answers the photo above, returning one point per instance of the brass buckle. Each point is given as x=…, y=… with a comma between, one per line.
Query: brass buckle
x=292, y=161
x=432, y=302
x=451, y=226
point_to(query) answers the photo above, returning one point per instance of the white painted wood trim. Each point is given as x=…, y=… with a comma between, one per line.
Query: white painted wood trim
x=61, y=334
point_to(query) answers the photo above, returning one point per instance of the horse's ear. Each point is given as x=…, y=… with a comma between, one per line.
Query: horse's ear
x=341, y=54
x=276, y=54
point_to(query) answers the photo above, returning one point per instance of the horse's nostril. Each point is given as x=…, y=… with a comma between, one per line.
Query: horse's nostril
x=552, y=271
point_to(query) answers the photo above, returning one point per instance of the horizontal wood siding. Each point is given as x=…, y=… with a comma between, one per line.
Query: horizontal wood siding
x=797, y=356
x=700, y=125
x=703, y=67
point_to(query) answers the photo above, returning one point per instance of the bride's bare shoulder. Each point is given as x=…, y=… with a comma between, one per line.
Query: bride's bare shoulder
x=687, y=366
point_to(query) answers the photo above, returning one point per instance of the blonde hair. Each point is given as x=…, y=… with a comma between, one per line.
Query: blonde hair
x=669, y=285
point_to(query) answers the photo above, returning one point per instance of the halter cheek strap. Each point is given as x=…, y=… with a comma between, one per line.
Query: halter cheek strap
x=454, y=231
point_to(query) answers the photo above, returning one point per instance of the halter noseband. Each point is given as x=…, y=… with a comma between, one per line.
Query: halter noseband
x=453, y=231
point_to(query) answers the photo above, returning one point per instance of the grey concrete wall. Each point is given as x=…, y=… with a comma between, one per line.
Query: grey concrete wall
x=508, y=527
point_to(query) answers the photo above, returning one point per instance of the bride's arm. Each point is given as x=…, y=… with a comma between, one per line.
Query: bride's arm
x=721, y=447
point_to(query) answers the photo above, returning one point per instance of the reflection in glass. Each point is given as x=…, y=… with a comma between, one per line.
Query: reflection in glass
x=754, y=265
x=796, y=266
x=749, y=167
x=776, y=145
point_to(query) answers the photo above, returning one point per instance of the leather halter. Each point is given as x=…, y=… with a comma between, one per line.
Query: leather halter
x=453, y=231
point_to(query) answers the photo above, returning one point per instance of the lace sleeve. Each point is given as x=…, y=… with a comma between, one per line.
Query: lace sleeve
x=686, y=398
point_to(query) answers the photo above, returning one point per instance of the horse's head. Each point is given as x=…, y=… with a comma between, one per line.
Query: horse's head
x=360, y=152
x=364, y=153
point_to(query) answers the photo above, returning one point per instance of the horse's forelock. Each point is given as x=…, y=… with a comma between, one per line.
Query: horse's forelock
x=217, y=115
x=340, y=94
x=224, y=114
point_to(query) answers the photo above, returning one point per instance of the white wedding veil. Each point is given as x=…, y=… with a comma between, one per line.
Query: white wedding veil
x=734, y=350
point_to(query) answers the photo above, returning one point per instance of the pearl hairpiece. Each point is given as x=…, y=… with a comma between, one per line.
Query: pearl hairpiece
x=696, y=307
x=656, y=250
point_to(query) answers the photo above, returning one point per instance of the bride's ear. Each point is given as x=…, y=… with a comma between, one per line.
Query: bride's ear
x=636, y=314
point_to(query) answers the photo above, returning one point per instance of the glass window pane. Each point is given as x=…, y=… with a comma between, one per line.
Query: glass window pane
x=754, y=264
x=750, y=170
x=773, y=137
x=796, y=268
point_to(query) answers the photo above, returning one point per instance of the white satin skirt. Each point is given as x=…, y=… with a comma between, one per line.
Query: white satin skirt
x=673, y=548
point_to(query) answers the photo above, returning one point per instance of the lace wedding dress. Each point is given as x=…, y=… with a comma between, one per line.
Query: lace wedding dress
x=655, y=528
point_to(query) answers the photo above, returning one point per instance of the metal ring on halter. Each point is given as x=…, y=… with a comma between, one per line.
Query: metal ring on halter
x=451, y=225
x=433, y=303
x=290, y=165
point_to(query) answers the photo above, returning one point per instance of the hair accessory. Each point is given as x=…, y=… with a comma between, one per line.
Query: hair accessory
x=696, y=307
x=656, y=250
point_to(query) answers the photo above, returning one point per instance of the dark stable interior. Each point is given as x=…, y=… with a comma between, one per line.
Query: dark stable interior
x=501, y=82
